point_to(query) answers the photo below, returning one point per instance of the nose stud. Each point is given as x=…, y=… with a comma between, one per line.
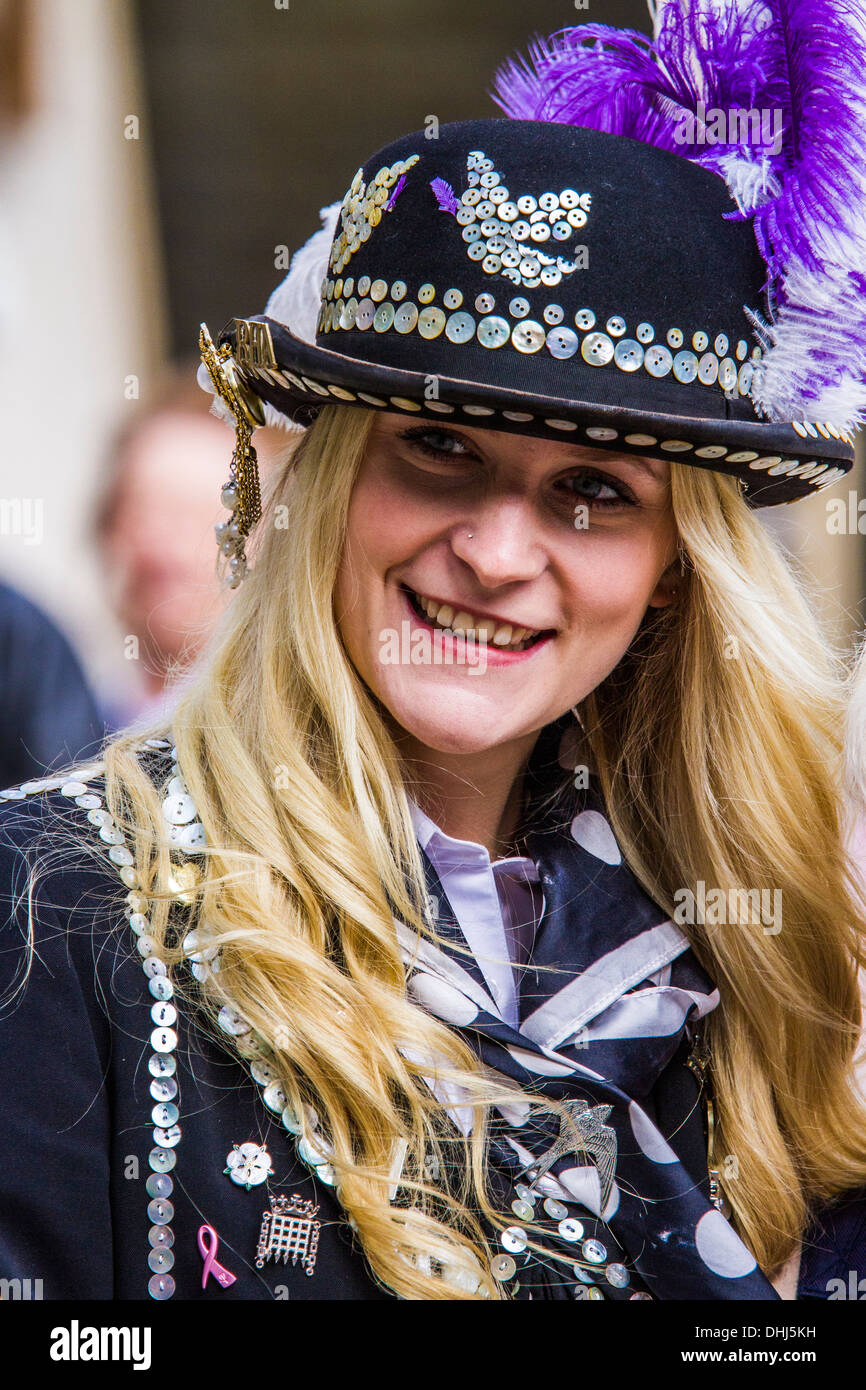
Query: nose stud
x=469, y=535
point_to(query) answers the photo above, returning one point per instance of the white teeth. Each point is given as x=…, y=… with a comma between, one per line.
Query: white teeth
x=462, y=622
x=445, y=614
x=480, y=629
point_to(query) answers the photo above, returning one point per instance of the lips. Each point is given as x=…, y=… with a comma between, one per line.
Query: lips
x=460, y=621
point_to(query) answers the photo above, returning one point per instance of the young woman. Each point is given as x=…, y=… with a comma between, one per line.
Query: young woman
x=486, y=906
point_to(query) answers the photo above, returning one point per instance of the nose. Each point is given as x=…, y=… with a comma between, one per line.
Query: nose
x=500, y=542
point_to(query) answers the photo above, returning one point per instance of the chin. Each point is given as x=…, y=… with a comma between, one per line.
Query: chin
x=466, y=741
x=455, y=719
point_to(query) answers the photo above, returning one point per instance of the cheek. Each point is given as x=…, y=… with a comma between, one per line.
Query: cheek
x=362, y=544
x=379, y=526
x=379, y=536
x=609, y=591
x=614, y=581
x=387, y=525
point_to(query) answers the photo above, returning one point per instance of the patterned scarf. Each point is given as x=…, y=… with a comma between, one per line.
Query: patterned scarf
x=611, y=1189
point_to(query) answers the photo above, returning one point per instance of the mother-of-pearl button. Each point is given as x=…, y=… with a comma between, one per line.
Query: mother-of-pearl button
x=562, y=342
x=658, y=360
x=597, y=349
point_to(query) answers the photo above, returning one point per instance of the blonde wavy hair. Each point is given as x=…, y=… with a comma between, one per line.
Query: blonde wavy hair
x=718, y=744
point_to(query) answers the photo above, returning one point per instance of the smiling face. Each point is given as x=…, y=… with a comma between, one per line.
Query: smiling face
x=547, y=553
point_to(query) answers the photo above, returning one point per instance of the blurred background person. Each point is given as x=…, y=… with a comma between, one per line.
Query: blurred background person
x=153, y=528
x=48, y=714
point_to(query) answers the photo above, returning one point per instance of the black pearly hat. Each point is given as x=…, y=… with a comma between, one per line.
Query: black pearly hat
x=544, y=277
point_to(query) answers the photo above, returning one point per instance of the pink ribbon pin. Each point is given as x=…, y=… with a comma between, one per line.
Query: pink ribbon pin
x=211, y=1264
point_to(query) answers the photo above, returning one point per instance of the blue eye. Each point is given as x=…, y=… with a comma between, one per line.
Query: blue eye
x=598, y=481
x=438, y=443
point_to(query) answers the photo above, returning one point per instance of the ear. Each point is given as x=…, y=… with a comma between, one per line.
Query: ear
x=665, y=592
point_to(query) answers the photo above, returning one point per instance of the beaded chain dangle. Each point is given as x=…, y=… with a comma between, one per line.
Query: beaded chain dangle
x=241, y=494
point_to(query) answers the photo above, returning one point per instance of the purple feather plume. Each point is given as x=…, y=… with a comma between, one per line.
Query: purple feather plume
x=445, y=196
x=401, y=184
x=789, y=78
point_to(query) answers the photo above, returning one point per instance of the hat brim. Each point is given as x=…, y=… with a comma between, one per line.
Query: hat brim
x=776, y=463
